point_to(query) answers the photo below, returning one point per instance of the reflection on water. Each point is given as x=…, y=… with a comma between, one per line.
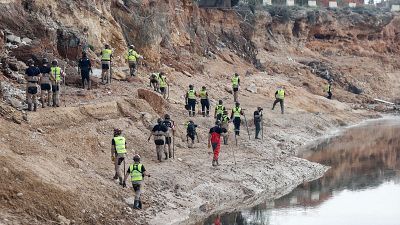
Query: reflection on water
x=362, y=187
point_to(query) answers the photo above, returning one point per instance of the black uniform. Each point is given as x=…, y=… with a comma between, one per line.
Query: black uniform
x=86, y=66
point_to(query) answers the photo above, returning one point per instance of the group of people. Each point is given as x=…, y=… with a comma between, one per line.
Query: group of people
x=46, y=80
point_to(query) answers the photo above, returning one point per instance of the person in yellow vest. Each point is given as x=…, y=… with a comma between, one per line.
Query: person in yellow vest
x=235, y=86
x=191, y=101
x=328, y=89
x=106, y=56
x=118, y=152
x=56, y=77
x=205, y=102
x=132, y=57
x=219, y=110
x=235, y=117
x=137, y=172
x=279, y=97
x=163, y=84
x=225, y=124
x=32, y=76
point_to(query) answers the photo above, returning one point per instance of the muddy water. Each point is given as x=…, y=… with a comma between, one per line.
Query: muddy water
x=361, y=188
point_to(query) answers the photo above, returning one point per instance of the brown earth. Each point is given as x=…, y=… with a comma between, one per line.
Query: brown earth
x=59, y=159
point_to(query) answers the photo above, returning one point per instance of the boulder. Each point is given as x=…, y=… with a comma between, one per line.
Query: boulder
x=27, y=41
x=155, y=100
x=13, y=39
x=252, y=88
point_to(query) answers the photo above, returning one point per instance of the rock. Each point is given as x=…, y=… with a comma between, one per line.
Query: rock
x=228, y=89
x=13, y=39
x=27, y=41
x=20, y=194
x=252, y=88
x=355, y=90
x=39, y=130
x=155, y=100
x=187, y=73
x=70, y=161
x=63, y=220
x=16, y=65
x=10, y=45
x=16, y=103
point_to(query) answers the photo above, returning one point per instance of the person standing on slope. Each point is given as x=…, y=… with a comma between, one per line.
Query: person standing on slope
x=137, y=173
x=159, y=132
x=214, y=140
x=118, y=152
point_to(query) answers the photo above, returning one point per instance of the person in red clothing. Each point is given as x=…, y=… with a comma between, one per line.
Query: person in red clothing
x=214, y=140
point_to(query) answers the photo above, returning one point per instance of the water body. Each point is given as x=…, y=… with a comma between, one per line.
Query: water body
x=361, y=188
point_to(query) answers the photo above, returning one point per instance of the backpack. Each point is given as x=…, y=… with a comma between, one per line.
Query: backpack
x=191, y=128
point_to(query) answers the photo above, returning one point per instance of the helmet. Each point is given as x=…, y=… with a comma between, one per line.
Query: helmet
x=131, y=46
x=191, y=86
x=162, y=73
x=30, y=62
x=167, y=117
x=236, y=74
x=159, y=120
x=218, y=122
x=106, y=45
x=84, y=54
x=136, y=158
x=45, y=61
x=237, y=104
x=204, y=87
x=220, y=102
x=54, y=62
x=117, y=131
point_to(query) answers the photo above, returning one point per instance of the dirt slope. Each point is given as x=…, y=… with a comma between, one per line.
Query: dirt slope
x=55, y=163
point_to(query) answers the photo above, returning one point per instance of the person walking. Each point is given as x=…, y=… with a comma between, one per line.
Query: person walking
x=328, y=89
x=214, y=140
x=219, y=110
x=191, y=100
x=132, y=57
x=159, y=132
x=257, y=120
x=168, y=135
x=56, y=78
x=205, y=102
x=32, y=88
x=279, y=97
x=163, y=84
x=106, y=57
x=45, y=83
x=154, y=81
x=235, y=117
x=191, y=133
x=118, y=152
x=235, y=86
x=85, y=67
x=137, y=172
x=225, y=124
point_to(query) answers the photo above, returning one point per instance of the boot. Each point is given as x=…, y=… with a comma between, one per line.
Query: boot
x=43, y=103
x=190, y=113
x=159, y=157
x=35, y=107
x=140, y=204
x=216, y=162
x=30, y=106
x=213, y=162
x=115, y=176
x=120, y=181
x=136, y=204
x=170, y=154
x=204, y=114
x=166, y=156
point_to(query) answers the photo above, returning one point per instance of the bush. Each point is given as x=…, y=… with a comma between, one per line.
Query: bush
x=281, y=13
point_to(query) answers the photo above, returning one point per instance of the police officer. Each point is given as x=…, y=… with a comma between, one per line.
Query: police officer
x=225, y=124
x=32, y=76
x=86, y=67
x=279, y=97
x=56, y=75
x=205, y=102
x=191, y=100
x=219, y=110
x=235, y=86
x=235, y=116
x=163, y=84
x=159, y=132
x=45, y=83
x=137, y=172
x=132, y=56
x=106, y=56
x=118, y=152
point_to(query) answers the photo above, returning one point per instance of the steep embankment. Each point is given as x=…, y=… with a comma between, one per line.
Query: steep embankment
x=55, y=163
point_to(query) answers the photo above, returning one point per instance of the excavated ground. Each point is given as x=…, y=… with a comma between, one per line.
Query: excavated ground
x=55, y=163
